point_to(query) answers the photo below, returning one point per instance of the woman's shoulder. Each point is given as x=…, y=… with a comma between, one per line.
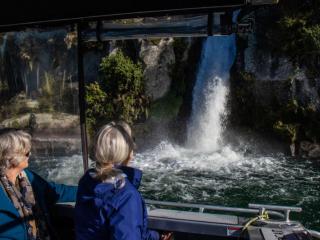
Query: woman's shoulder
x=127, y=194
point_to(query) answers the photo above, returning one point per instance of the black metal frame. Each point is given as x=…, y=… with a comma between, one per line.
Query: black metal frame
x=82, y=97
x=108, y=11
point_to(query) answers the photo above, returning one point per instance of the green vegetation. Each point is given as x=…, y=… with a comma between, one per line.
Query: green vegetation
x=166, y=107
x=13, y=107
x=3, y=87
x=55, y=96
x=295, y=33
x=119, y=94
x=155, y=41
x=287, y=131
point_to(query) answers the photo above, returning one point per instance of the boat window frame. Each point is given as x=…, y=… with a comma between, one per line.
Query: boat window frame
x=80, y=23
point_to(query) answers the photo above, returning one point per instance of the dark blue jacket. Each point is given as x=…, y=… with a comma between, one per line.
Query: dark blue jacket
x=46, y=194
x=104, y=211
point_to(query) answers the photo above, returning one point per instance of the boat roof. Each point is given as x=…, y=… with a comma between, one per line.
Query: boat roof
x=24, y=13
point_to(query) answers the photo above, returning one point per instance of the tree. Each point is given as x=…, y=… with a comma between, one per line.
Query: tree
x=119, y=94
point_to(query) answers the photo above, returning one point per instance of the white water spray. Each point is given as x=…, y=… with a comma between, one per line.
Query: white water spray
x=210, y=94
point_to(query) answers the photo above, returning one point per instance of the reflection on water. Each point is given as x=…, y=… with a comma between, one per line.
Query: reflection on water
x=67, y=170
x=223, y=177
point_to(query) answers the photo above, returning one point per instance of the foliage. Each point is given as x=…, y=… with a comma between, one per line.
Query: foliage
x=155, y=41
x=168, y=106
x=98, y=108
x=302, y=41
x=56, y=97
x=287, y=131
x=295, y=33
x=13, y=107
x=47, y=94
x=119, y=94
x=3, y=87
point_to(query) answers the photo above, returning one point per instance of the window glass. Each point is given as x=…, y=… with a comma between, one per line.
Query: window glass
x=39, y=93
x=217, y=120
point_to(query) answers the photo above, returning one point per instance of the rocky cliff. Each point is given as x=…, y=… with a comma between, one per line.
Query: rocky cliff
x=273, y=91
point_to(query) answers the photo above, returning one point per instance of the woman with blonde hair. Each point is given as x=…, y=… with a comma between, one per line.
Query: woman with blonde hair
x=109, y=205
x=25, y=197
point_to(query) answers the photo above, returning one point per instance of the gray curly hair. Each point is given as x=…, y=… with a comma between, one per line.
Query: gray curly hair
x=14, y=143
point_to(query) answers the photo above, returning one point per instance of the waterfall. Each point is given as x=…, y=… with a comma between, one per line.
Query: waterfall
x=210, y=93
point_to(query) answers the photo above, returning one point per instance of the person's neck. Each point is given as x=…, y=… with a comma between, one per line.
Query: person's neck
x=12, y=174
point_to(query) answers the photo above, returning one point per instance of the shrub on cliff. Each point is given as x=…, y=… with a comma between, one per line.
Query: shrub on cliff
x=119, y=94
x=303, y=40
x=295, y=32
x=287, y=131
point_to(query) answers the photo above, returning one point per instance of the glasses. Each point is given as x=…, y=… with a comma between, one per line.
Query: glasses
x=28, y=154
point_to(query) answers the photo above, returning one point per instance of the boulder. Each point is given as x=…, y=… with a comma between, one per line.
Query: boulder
x=309, y=149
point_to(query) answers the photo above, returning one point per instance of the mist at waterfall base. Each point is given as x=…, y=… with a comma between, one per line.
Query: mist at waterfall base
x=208, y=170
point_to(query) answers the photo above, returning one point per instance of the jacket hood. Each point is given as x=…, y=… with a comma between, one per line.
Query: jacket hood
x=134, y=175
x=102, y=192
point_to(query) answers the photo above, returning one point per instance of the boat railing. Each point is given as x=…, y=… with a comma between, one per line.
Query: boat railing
x=253, y=208
x=286, y=210
x=314, y=234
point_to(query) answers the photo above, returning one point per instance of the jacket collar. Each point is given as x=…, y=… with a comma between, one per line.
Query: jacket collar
x=133, y=175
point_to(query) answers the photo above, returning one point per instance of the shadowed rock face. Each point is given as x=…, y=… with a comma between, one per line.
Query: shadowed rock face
x=268, y=88
x=310, y=150
x=157, y=59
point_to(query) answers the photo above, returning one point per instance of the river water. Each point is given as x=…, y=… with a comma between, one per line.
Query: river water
x=207, y=169
x=223, y=177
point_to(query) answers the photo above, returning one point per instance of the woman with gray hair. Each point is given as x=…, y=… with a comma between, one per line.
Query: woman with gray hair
x=109, y=205
x=25, y=197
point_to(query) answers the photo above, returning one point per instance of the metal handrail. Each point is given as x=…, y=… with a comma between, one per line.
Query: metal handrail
x=286, y=210
x=314, y=234
x=203, y=207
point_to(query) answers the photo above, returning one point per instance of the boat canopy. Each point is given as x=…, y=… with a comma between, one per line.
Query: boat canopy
x=25, y=13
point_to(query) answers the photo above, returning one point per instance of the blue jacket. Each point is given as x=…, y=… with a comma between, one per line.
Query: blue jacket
x=104, y=211
x=46, y=194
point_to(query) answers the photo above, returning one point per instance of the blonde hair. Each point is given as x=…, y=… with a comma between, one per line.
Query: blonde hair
x=112, y=145
x=13, y=144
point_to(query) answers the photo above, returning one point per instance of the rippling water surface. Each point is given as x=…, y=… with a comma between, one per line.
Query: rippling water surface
x=223, y=177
